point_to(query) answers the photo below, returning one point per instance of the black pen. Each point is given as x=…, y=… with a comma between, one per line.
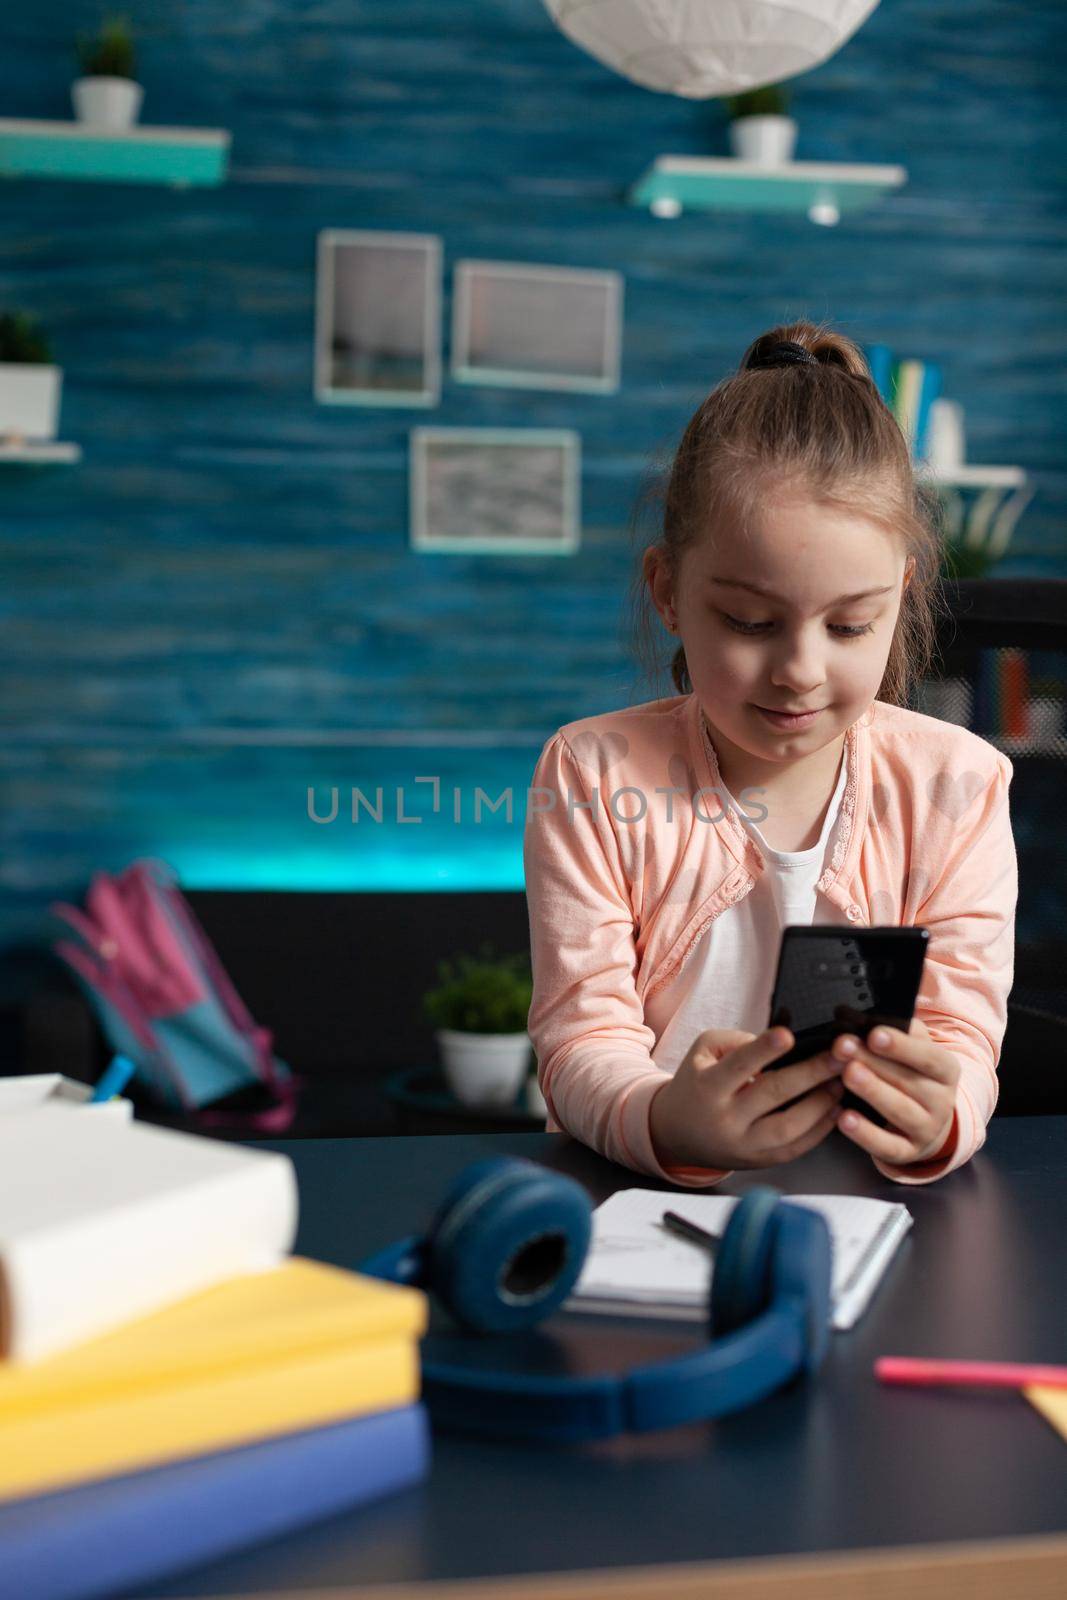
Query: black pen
x=690, y=1230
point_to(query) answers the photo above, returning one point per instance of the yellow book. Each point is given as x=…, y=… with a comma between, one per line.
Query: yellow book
x=300, y=1345
x=1052, y=1404
x=907, y=392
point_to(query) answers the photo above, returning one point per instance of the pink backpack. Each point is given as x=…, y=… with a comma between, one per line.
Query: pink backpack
x=165, y=1000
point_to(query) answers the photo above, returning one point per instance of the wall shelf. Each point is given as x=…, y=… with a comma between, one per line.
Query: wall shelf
x=976, y=477
x=825, y=190
x=988, y=518
x=178, y=156
x=1055, y=748
x=45, y=452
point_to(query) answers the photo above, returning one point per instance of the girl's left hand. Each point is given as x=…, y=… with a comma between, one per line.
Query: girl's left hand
x=911, y=1081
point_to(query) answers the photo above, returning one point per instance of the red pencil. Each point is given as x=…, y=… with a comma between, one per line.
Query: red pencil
x=989, y=1374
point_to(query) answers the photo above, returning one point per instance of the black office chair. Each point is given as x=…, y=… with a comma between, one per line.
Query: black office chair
x=1026, y=618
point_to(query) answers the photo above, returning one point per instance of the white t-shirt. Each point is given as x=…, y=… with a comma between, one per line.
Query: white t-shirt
x=726, y=981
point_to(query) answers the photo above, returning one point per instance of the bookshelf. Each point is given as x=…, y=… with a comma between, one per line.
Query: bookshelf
x=1054, y=749
x=51, y=452
x=978, y=477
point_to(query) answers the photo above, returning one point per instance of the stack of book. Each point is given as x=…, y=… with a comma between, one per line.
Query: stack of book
x=174, y=1384
x=909, y=387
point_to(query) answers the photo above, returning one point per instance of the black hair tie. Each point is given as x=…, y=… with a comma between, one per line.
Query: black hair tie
x=785, y=354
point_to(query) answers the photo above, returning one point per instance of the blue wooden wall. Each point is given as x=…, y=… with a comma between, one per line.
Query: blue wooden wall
x=219, y=609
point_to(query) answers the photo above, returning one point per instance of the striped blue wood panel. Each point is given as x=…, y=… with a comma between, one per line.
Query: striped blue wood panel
x=209, y=613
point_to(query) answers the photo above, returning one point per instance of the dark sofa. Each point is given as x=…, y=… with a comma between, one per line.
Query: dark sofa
x=339, y=977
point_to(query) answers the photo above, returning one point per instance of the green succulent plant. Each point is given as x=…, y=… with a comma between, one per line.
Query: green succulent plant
x=959, y=560
x=481, y=994
x=109, y=53
x=771, y=100
x=21, y=339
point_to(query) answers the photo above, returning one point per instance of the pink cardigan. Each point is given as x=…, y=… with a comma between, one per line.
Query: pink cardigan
x=616, y=906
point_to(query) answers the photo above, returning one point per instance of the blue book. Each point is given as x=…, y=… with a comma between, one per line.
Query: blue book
x=985, y=692
x=880, y=361
x=88, y=1542
x=930, y=391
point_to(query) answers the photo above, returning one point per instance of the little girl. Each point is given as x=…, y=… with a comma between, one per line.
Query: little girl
x=667, y=844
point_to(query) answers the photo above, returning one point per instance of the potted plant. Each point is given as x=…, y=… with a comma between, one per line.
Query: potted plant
x=973, y=550
x=107, y=94
x=29, y=383
x=760, y=130
x=962, y=560
x=480, y=1007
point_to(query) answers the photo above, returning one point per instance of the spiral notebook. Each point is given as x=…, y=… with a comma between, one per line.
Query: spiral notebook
x=636, y=1267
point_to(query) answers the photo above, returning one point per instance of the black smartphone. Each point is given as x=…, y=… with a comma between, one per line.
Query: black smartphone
x=831, y=980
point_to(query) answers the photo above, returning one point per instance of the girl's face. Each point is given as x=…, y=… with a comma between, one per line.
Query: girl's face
x=817, y=639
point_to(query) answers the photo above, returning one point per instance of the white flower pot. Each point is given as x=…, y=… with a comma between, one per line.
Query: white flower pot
x=29, y=399
x=946, y=443
x=535, y=1100
x=484, y=1069
x=107, y=102
x=768, y=141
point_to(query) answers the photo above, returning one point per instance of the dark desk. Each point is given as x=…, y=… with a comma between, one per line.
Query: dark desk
x=835, y=1465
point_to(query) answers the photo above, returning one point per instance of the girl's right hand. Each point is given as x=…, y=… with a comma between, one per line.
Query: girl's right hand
x=720, y=1109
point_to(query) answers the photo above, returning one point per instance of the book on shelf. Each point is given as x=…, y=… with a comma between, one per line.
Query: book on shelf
x=914, y=386
x=1014, y=695
x=880, y=361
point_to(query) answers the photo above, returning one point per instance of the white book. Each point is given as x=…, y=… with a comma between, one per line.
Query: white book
x=35, y=1089
x=103, y=1220
x=637, y=1267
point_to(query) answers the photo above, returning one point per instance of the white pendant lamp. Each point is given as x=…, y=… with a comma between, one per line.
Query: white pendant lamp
x=705, y=48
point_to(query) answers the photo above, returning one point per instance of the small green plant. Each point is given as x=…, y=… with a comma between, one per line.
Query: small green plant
x=481, y=994
x=771, y=100
x=960, y=560
x=109, y=53
x=21, y=339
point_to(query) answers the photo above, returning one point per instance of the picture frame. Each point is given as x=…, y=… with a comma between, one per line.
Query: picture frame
x=536, y=327
x=377, y=318
x=510, y=491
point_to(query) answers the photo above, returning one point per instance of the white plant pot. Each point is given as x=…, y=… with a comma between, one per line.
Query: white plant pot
x=484, y=1069
x=768, y=141
x=107, y=102
x=29, y=399
x=535, y=1100
x=946, y=443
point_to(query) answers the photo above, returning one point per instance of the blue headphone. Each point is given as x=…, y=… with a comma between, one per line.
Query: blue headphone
x=505, y=1249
